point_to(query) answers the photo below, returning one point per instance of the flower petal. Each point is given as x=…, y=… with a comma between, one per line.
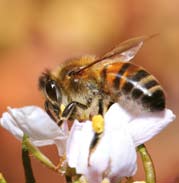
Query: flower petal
x=9, y=124
x=116, y=116
x=115, y=154
x=36, y=123
x=78, y=144
x=146, y=126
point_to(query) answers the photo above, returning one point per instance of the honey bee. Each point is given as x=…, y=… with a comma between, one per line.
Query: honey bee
x=90, y=85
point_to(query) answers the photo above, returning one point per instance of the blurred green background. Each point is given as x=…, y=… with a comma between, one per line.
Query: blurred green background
x=39, y=34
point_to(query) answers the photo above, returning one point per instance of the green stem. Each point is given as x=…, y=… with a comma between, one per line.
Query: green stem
x=37, y=154
x=147, y=164
x=2, y=179
x=27, y=164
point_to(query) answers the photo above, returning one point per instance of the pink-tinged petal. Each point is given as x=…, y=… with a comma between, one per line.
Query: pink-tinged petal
x=147, y=125
x=61, y=145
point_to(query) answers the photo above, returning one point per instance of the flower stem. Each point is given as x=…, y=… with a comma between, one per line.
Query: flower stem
x=147, y=164
x=2, y=179
x=27, y=164
x=37, y=154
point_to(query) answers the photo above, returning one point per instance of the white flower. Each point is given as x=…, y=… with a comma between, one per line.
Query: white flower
x=36, y=123
x=115, y=155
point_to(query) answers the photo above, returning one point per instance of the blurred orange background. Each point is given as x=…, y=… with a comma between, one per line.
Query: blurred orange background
x=39, y=34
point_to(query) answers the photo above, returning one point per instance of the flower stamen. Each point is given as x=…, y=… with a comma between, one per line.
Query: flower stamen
x=105, y=180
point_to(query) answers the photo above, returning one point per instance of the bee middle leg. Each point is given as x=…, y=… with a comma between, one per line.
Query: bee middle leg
x=93, y=145
x=98, y=128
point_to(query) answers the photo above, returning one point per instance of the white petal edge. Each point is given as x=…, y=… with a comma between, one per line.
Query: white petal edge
x=79, y=139
x=9, y=124
x=146, y=126
x=36, y=123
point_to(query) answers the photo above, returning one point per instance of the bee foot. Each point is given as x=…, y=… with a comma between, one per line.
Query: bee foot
x=62, y=165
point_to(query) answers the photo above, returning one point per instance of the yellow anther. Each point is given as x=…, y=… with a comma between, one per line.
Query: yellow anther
x=83, y=179
x=105, y=180
x=62, y=107
x=98, y=123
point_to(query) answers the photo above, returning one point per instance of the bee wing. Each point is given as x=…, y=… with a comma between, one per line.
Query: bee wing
x=127, y=50
x=124, y=52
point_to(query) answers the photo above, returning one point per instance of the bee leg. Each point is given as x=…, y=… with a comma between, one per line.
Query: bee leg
x=98, y=127
x=93, y=145
x=68, y=179
x=48, y=108
x=69, y=109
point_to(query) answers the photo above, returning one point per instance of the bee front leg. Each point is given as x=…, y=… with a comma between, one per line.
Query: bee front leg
x=69, y=109
x=48, y=109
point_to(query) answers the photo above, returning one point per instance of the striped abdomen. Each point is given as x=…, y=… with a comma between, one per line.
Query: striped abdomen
x=135, y=84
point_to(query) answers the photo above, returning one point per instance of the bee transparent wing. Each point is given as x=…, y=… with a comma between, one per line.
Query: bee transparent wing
x=124, y=52
x=127, y=50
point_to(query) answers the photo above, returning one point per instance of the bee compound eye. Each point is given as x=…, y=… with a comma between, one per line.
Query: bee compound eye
x=52, y=90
